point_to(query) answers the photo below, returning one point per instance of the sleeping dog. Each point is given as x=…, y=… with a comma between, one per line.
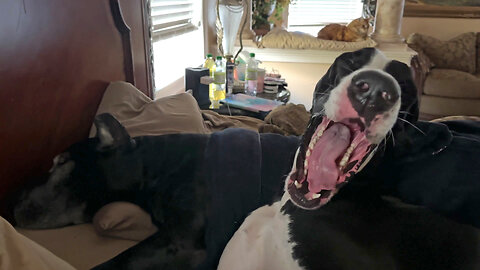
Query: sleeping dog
x=197, y=209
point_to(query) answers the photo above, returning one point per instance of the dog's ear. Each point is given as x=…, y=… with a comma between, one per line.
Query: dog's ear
x=110, y=132
x=345, y=64
x=403, y=74
x=409, y=111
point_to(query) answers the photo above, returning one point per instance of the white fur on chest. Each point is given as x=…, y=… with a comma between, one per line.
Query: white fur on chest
x=261, y=243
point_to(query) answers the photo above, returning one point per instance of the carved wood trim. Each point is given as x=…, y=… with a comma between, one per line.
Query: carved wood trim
x=124, y=30
x=147, y=34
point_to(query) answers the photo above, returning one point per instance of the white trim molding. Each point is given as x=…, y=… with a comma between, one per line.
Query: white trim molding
x=399, y=52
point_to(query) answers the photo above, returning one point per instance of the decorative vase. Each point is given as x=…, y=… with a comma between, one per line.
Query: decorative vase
x=230, y=18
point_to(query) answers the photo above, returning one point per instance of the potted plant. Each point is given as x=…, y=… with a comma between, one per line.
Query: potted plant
x=267, y=13
x=262, y=10
x=279, y=11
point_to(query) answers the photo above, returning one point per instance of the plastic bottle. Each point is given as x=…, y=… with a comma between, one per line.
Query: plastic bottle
x=251, y=76
x=219, y=83
x=240, y=70
x=229, y=68
x=210, y=64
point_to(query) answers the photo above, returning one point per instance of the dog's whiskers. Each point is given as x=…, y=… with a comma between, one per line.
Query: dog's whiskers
x=348, y=68
x=405, y=112
x=417, y=128
x=384, y=144
x=390, y=132
x=322, y=94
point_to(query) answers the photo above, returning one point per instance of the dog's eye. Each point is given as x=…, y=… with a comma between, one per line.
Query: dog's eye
x=362, y=86
x=61, y=159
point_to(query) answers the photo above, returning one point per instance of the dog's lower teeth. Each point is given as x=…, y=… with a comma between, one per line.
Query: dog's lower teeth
x=346, y=156
x=298, y=185
x=316, y=196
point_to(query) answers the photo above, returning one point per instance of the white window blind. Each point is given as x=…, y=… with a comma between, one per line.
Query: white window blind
x=314, y=13
x=173, y=17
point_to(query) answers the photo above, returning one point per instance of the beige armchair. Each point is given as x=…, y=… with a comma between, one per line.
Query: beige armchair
x=447, y=74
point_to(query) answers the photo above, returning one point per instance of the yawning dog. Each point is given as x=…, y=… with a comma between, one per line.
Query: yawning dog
x=356, y=104
x=331, y=216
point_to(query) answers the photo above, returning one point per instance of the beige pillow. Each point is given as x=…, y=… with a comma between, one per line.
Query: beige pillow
x=457, y=53
x=124, y=220
x=142, y=116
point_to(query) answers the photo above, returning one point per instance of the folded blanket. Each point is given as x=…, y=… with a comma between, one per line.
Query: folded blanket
x=440, y=169
x=289, y=119
x=214, y=121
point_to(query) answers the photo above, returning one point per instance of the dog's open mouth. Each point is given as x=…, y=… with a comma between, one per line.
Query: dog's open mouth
x=331, y=152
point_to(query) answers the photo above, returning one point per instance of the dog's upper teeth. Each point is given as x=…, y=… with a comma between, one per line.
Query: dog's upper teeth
x=321, y=130
x=316, y=196
x=316, y=137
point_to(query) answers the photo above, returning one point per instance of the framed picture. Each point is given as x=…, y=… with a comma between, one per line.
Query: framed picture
x=442, y=8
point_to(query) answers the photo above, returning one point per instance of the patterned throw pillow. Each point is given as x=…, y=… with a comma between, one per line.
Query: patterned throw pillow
x=457, y=53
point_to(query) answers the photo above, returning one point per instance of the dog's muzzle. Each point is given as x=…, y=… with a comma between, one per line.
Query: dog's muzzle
x=372, y=93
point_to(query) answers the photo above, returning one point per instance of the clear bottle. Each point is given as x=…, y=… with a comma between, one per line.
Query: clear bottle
x=251, y=76
x=219, y=83
x=210, y=64
x=240, y=69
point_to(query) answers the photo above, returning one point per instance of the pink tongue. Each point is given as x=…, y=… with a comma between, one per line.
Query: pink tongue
x=322, y=168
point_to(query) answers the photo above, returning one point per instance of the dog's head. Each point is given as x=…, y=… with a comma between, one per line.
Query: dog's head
x=75, y=178
x=356, y=104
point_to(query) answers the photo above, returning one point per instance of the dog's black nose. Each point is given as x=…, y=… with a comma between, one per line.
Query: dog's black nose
x=372, y=92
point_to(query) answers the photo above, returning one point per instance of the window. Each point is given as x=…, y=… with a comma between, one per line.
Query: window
x=177, y=39
x=172, y=17
x=310, y=16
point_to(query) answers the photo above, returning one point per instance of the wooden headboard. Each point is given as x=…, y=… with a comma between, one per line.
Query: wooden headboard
x=56, y=59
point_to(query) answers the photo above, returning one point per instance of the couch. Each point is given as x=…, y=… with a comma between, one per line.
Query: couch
x=447, y=74
x=120, y=225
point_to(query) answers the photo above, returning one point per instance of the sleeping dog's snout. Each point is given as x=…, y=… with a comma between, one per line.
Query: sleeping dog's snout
x=372, y=92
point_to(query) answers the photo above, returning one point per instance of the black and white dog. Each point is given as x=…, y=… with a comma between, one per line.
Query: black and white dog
x=356, y=104
x=362, y=98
